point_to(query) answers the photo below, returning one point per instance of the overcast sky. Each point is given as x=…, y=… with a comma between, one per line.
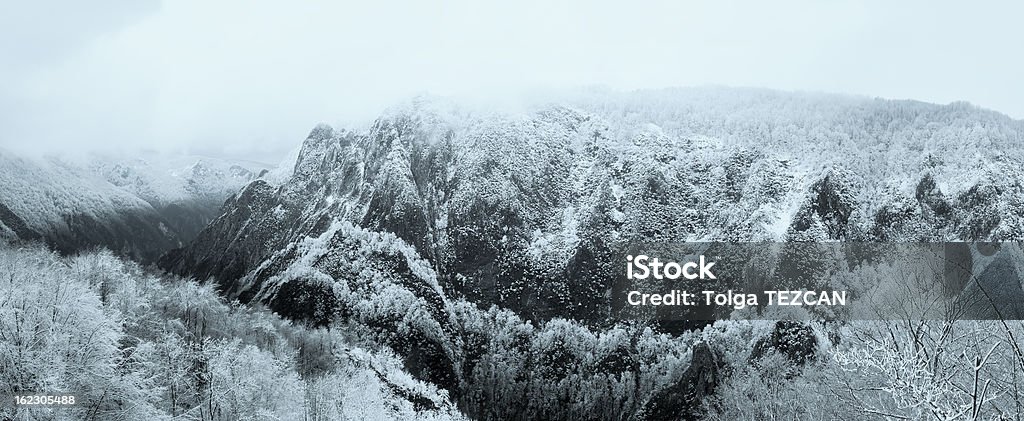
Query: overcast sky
x=250, y=78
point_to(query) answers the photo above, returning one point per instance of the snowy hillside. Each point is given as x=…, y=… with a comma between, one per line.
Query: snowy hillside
x=163, y=179
x=133, y=346
x=139, y=206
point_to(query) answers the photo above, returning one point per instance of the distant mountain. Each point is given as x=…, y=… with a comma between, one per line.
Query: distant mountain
x=434, y=206
x=140, y=206
x=492, y=199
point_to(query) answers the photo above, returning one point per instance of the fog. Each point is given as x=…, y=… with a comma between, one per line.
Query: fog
x=249, y=78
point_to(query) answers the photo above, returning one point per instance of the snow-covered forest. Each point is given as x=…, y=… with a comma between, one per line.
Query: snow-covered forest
x=136, y=346
x=450, y=262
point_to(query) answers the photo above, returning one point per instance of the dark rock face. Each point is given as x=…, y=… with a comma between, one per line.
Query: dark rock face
x=17, y=225
x=989, y=210
x=313, y=302
x=794, y=340
x=829, y=207
x=236, y=241
x=979, y=212
x=928, y=194
x=684, y=399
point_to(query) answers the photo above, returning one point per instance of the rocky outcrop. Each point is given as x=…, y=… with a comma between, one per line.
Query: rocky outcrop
x=793, y=340
x=16, y=225
x=829, y=207
x=982, y=212
x=238, y=240
x=684, y=399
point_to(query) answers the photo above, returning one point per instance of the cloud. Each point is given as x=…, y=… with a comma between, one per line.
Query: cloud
x=234, y=77
x=42, y=32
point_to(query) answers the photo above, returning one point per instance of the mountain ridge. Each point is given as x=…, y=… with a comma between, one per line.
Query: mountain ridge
x=140, y=206
x=526, y=212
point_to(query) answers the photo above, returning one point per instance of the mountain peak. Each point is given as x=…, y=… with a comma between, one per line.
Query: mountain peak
x=320, y=132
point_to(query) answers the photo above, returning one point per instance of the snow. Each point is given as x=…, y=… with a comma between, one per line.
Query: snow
x=284, y=170
x=45, y=191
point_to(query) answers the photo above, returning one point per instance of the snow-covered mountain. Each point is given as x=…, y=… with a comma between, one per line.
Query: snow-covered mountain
x=410, y=226
x=141, y=205
x=532, y=192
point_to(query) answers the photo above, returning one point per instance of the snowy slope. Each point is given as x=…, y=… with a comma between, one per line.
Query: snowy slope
x=141, y=206
x=163, y=179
